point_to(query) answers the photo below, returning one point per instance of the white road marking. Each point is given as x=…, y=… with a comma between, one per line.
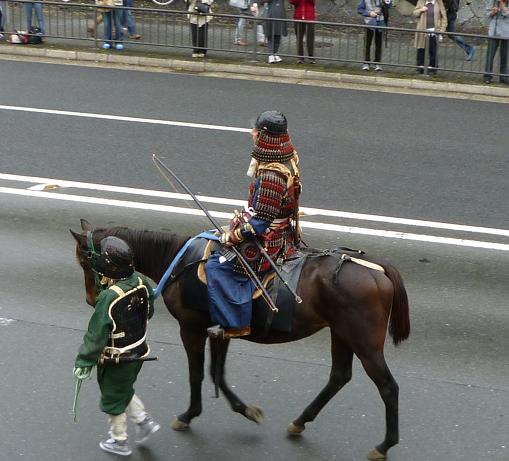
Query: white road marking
x=304, y=224
x=125, y=119
x=42, y=183
x=4, y=321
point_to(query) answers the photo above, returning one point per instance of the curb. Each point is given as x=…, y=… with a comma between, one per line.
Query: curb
x=301, y=75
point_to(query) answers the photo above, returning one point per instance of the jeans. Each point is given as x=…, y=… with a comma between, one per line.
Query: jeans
x=241, y=30
x=493, y=45
x=128, y=18
x=377, y=34
x=29, y=7
x=458, y=39
x=115, y=16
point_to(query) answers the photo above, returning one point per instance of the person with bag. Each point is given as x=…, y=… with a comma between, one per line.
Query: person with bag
x=247, y=9
x=376, y=13
x=274, y=30
x=497, y=12
x=199, y=24
x=305, y=14
x=115, y=342
x=36, y=7
x=432, y=18
x=112, y=16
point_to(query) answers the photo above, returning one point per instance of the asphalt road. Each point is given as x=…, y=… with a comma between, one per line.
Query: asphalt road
x=452, y=371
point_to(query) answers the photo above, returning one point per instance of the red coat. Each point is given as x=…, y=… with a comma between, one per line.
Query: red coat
x=304, y=9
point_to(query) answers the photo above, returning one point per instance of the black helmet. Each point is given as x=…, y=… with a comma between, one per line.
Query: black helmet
x=272, y=121
x=115, y=259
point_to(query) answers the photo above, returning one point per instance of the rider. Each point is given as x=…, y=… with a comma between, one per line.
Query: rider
x=271, y=217
x=117, y=330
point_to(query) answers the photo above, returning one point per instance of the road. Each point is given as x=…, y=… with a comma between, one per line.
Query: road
x=408, y=157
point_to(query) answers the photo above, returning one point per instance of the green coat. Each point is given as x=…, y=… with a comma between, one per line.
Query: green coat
x=115, y=381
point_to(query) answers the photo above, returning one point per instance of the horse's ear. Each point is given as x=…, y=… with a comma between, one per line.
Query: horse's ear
x=85, y=225
x=78, y=237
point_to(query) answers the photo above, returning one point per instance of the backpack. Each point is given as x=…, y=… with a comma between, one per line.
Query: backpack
x=35, y=37
x=18, y=37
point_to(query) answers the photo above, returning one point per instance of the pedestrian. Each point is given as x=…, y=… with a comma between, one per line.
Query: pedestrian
x=115, y=342
x=274, y=30
x=247, y=9
x=432, y=17
x=128, y=21
x=452, y=7
x=498, y=31
x=112, y=20
x=30, y=8
x=304, y=14
x=199, y=23
x=271, y=217
x=376, y=13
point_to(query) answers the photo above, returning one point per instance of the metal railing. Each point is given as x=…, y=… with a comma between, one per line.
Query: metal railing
x=334, y=42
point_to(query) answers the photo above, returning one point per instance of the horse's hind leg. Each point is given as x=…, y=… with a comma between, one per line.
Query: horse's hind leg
x=218, y=351
x=379, y=372
x=341, y=373
x=194, y=344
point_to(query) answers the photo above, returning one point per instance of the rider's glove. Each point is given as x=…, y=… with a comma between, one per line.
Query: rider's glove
x=230, y=238
x=82, y=372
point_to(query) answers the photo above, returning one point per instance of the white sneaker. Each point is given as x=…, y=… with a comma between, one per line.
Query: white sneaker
x=117, y=447
x=378, y=68
x=272, y=59
x=365, y=67
x=277, y=58
x=145, y=429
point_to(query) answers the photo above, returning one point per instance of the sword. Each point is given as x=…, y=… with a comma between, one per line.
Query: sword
x=161, y=166
x=75, y=404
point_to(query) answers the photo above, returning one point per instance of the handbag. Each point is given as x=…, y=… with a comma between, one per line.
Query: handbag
x=202, y=8
x=242, y=4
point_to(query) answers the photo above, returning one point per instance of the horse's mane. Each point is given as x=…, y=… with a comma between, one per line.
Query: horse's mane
x=153, y=250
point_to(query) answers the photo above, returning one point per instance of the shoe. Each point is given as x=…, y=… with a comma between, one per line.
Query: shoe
x=195, y=55
x=200, y=55
x=312, y=61
x=262, y=44
x=272, y=59
x=470, y=53
x=300, y=61
x=117, y=447
x=378, y=68
x=145, y=429
x=124, y=29
x=119, y=46
x=365, y=67
x=135, y=36
x=106, y=46
x=487, y=80
x=277, y=58
x=242, y=43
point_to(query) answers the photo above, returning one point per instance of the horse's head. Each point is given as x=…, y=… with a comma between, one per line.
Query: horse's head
x=86, y=243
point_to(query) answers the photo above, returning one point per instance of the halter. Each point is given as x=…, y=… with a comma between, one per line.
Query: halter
x=92, y=256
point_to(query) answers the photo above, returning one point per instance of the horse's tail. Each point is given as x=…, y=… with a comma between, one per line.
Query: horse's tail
x=399, y=324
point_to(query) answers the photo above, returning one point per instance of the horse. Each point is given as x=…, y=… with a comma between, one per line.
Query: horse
x=357, y=303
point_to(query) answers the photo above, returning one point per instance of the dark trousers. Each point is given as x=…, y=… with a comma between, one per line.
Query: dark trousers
x=273, y=42
x=433, y=61
x=305, y=29
x=378, y=34
x=199, y=37
x=493, y=45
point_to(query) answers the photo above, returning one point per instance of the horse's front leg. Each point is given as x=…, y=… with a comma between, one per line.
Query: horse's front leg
x=218, y=352
x=194, y=344
x=341, y=373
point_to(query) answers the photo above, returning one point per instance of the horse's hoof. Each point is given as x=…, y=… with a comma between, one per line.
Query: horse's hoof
x=293, y=429
x=254, y=414
x=178, y=425
x=375, y=455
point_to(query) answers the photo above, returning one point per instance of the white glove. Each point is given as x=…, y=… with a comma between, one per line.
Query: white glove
x=82, y=372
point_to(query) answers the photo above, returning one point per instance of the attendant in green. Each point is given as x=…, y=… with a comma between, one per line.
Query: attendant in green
x=117, y=330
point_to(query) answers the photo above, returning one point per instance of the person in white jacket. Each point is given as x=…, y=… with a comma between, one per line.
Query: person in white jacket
x=199, y=23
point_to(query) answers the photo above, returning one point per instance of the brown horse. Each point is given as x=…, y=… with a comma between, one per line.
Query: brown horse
x=357, y=304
